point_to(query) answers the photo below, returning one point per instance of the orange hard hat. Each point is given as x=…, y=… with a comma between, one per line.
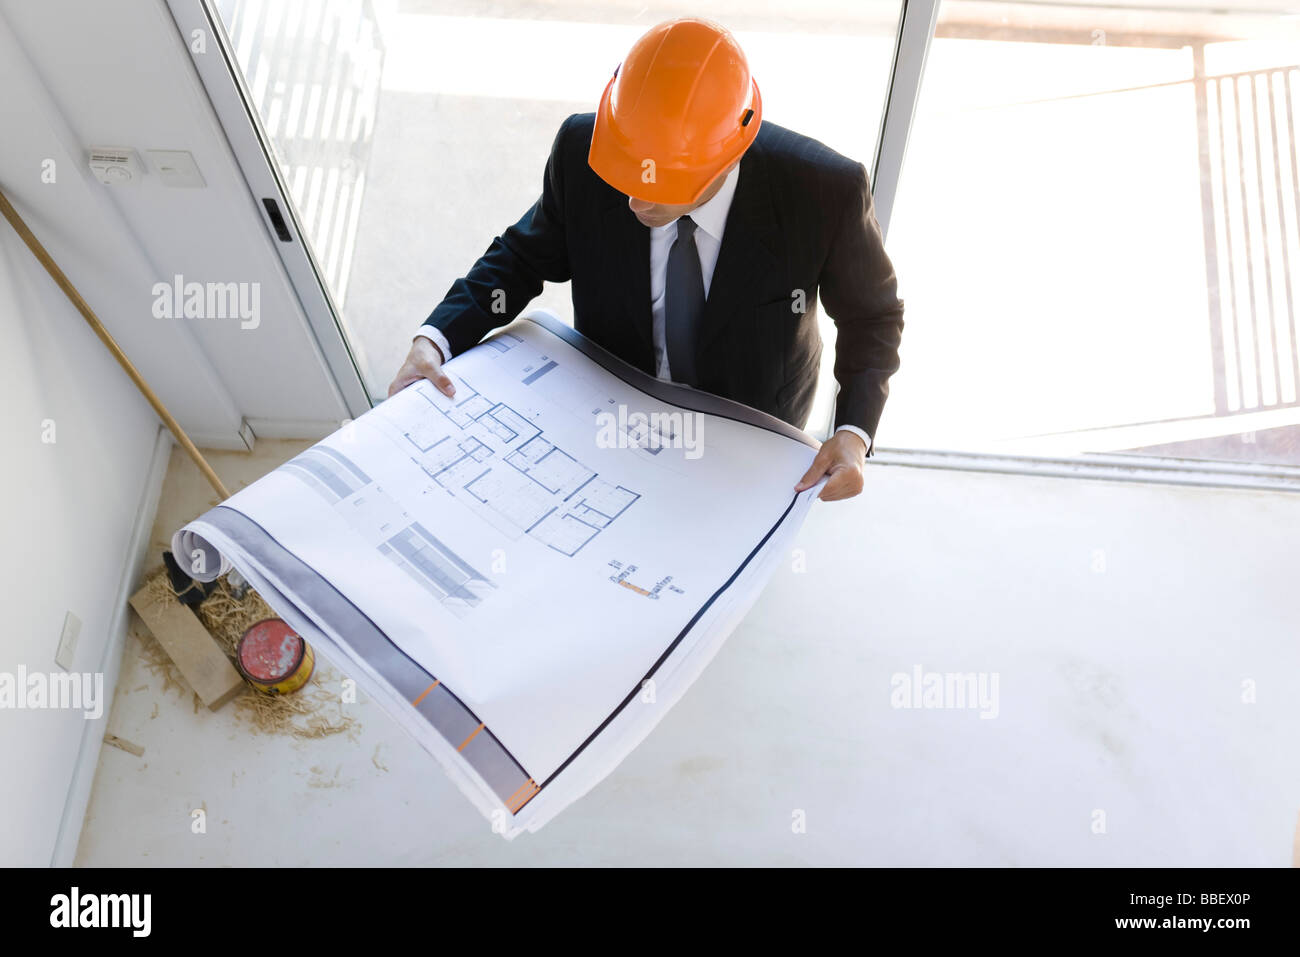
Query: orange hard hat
x=679, y=110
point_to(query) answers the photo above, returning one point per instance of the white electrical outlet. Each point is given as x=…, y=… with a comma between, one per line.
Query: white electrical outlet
x=67, y=652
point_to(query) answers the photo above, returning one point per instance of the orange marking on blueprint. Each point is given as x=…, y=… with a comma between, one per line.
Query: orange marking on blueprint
x=425, y=692
x=471, y=737
x=528, y=797
x=523, y=787
x=517, y=800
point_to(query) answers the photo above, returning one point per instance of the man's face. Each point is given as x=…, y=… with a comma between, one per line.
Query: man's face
x=656, y=215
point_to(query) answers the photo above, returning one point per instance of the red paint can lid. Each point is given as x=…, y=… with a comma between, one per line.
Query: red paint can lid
x=270, y=651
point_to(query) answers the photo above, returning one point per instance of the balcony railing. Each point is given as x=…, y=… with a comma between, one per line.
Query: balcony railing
x=1251, y=210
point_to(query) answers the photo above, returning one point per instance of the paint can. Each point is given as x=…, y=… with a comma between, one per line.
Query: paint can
x=272, y=658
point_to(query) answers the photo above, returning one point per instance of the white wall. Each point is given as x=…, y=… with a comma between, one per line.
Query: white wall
x=70, y=506
x=113, y=73
x=117, y=73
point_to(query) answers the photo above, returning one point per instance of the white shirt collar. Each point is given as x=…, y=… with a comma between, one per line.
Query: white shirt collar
x=712, y=216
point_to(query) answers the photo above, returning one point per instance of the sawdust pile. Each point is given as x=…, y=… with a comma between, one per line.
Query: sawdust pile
x=314, y=711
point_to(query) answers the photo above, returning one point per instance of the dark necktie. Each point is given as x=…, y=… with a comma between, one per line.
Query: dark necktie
x=683, y=302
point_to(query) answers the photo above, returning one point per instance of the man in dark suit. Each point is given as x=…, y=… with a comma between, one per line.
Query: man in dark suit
x=636, y=200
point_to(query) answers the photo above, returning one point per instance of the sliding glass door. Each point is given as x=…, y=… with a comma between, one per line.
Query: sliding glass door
x=405, y=136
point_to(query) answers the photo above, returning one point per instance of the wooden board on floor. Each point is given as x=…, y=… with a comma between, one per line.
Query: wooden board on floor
x=194, y=651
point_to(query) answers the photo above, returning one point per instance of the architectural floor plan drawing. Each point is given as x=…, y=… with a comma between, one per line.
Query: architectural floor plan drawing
x=495, y=459
x=622, y=576
x=503, y=576
x=378, y=518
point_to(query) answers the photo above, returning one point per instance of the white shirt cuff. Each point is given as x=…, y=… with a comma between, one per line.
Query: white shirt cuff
x=435, y=336
x=858, y=432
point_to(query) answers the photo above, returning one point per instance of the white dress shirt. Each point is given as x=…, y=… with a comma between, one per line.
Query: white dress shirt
x=711, y=218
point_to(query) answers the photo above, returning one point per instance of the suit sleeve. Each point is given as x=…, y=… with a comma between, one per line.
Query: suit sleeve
x=513, y=270
x=859, y=291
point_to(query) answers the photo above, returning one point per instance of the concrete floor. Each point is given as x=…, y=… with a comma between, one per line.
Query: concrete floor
x=1125, y=623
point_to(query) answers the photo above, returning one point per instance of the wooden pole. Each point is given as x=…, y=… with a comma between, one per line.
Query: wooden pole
x=69, y=290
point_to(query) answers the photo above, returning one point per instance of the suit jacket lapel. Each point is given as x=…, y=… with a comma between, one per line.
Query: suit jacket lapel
x=749, y=250
x=628, y=259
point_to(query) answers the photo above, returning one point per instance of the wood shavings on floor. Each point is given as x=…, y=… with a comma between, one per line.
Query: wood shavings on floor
x=315, y=711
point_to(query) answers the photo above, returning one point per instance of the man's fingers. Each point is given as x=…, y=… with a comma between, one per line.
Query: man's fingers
x=845, y=482
x=443, y=382
x=833, y=490
x=433, y=372
x=424, y=361
x=814, y=473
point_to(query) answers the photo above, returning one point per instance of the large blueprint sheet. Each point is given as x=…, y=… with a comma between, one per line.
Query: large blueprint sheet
x=529, y=575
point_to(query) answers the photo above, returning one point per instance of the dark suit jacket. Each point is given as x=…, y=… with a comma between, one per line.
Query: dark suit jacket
x=801, y=219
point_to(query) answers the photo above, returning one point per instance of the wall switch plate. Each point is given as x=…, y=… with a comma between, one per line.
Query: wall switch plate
x=176, y=168
x=67, y=652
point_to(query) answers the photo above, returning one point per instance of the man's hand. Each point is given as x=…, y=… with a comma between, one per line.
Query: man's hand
x=843, y=457
x=424, y=361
